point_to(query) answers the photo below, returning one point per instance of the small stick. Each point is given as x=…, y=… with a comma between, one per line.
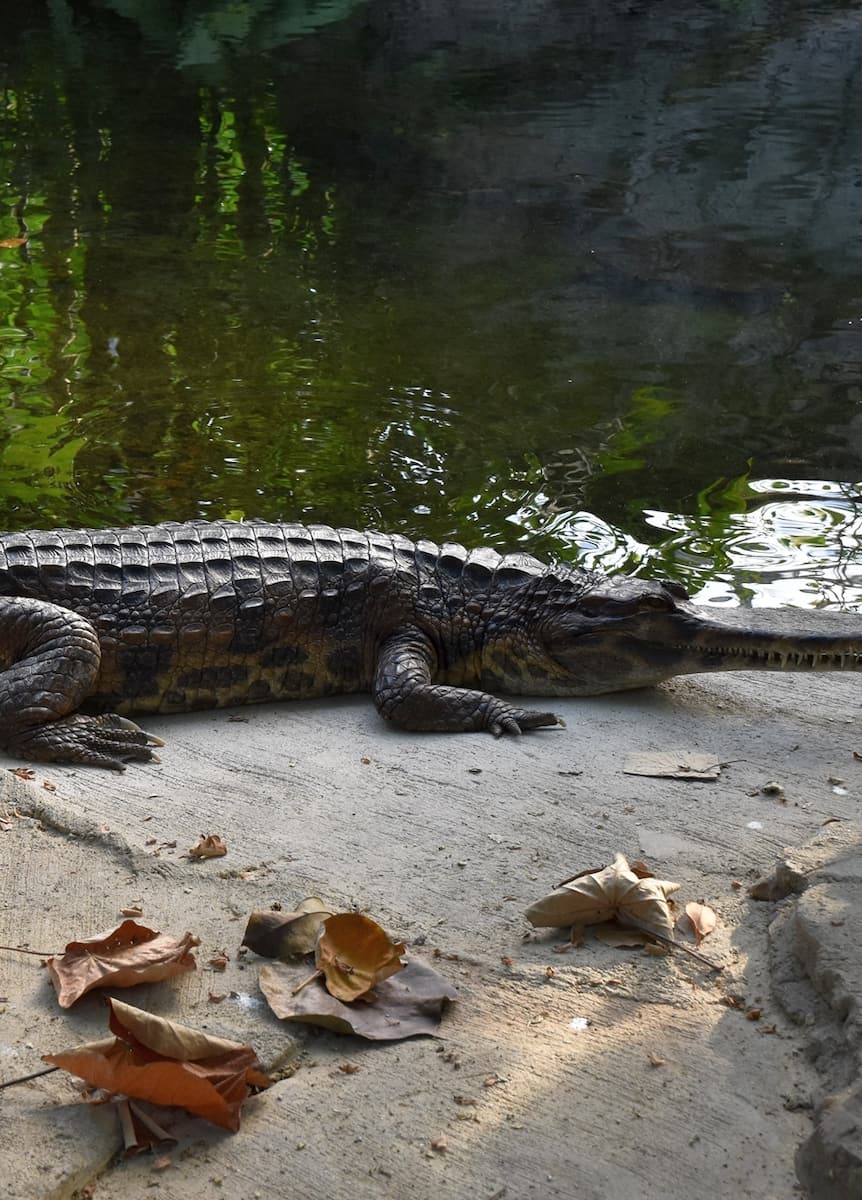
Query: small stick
x=674, y=945
x=149, y=1123
x=38, y=953
x=306, y=982
x=127, y=1125
x=27, y=1078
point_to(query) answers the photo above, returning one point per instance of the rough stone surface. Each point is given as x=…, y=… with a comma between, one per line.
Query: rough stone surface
x=821, y=934
x=830, y=1162
x=683, y=1082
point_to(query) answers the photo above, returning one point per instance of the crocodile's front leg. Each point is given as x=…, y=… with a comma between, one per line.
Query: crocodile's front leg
x=405, y=695
x=50, y=661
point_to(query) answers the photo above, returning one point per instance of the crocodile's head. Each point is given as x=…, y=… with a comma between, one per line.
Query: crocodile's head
x=630, y=633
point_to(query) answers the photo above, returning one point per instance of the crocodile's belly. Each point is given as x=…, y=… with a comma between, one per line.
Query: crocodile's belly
x=177, y=671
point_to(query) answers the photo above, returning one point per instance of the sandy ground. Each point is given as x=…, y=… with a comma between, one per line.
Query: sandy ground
x=669, y=1092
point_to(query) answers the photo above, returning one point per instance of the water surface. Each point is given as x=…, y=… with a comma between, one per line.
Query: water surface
x=582, y=278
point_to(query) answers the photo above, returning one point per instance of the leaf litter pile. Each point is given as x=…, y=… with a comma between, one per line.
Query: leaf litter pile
x=363, y=984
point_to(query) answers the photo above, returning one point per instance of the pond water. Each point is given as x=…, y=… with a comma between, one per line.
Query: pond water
x=583, y=278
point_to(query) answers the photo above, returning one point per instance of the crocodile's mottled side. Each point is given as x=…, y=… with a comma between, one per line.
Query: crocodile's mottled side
x=174, y=617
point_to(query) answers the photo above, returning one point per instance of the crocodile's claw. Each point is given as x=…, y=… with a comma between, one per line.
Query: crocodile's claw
x=107, y=740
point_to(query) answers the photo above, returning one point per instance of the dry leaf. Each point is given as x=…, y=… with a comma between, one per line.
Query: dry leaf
x=127, y=955
x=732, y=1001
x=355, y=954
x=209, y=846
x=150, y=1058
x=406, y=1005
x=702, y=920
x=673, y=765
x=286, y=935
x=613, y=892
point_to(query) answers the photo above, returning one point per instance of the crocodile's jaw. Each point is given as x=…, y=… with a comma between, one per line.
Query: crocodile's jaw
x=608, y=655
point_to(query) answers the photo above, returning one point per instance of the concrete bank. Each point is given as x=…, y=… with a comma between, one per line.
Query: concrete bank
x=673, y=1089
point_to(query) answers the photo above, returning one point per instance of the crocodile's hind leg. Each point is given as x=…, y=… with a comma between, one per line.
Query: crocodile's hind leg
x=405, y=695
x=49, y=663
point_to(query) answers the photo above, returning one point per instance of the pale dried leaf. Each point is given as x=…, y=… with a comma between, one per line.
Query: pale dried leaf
x=613, y=892
x=702, y=920
x=672, y=764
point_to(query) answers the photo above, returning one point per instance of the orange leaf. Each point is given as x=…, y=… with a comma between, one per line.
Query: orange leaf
x=702, y=919
x=354, y=954
x=154, y=1059
x=12, y=243
x=125, y=956
x=209, y=846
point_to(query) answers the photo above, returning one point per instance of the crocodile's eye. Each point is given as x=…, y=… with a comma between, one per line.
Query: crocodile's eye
x=675, y=589
x=654, y=601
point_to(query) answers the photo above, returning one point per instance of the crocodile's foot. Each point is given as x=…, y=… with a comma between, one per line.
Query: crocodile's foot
x=107, y=740
x=503, y=718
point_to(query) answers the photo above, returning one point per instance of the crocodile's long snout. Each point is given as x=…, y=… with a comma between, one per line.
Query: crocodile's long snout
x=744, y=639
x=648, y=644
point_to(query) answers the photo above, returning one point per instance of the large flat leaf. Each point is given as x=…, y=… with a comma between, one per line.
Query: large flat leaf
x=405, y=1005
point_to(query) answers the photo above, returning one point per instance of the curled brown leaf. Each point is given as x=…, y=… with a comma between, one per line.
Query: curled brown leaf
x=151, y=1058
x=286, y=935
x=210, y=845
x=355, y=953
x=122, y=957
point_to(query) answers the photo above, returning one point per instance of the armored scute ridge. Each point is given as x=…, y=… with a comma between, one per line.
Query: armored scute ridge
x=173, y=617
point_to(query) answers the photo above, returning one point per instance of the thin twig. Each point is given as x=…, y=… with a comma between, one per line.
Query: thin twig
x=27, y=1078
x=306, y=982
x=674, y=945
x=38, y=953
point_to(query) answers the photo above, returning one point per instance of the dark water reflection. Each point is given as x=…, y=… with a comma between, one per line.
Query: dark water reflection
x=583, y=277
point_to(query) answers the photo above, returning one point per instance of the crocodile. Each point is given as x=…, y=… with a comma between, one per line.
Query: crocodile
x=96, y=624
